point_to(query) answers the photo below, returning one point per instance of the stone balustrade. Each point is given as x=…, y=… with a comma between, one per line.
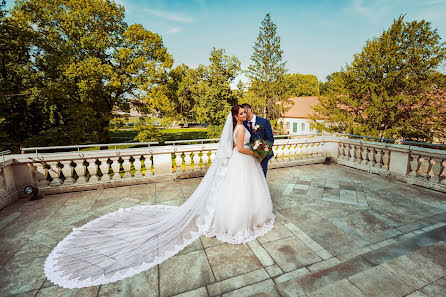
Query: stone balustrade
x=83, y=170
x=414, y=165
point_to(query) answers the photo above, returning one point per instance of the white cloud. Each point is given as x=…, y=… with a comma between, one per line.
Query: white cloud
x=171, y=16
x=173, y=30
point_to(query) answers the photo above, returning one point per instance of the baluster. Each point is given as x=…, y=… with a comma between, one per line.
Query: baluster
x=188, y=161
x=178, y=163
x=304, y=151
x=286, y=154
x=2, y=182
x=378, y=158
x=358, y=154
x=364, y=154
x=352, y=153
x=341, y=150
x=212, y=155
x=280, y=154
x=196, y=159
x=93, y=170
x=310, y=150
x=116, y=167
x=386, y=159
x=137, y=164
x=424, y=167
x=41, y=174
x=205, y=159
x=67, y=171
x=105, y=169
x=443, y=175
x=298, y=151
x=292, y=151
x=274, y=158
x=436, y=168
x=127, y=166
x=320, y=147
x=346, y=151
x=371, y=162
x=148, y=165
x=55, y=173
x=414, y=163
x=80, y=170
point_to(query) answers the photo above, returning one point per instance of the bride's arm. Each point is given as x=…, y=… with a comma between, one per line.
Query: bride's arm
x=240, y=140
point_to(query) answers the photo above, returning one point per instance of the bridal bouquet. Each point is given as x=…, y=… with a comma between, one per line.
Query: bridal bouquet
x=261, y=147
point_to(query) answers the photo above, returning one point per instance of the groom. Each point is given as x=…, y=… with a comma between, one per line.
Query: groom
x=263, y=131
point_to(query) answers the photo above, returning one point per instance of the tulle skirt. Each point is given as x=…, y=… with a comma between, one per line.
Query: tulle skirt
x=243, y=205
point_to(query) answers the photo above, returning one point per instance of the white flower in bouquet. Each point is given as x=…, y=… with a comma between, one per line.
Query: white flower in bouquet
x=256, y=146
x=257, y=142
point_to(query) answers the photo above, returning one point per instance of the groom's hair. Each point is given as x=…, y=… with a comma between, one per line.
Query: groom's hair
x=246, y=105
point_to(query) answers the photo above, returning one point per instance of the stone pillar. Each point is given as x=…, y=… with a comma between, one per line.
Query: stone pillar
x=162, y=164
x=399, y=163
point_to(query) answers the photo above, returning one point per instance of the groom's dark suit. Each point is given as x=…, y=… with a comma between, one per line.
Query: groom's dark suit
x=266, y=133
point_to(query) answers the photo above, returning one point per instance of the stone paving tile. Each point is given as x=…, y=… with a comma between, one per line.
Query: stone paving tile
x=173, y=279
x=171, y=194
x=24, y=271
x=261, y=287
x=435, y=289
x=273, y=270
x=392, y=251
x=415, y=269
x=229, y=260
x=436, y=253
x=290, y=275
x=237, y=282
x=291, y=253
x=379, y=281
x=200, y=292
x=261, y=254
x=210, y=241
x=278, y=232
x=324, y=277
x=337, y=289
x=323, y=264
x=416, y=294
x=59, y=291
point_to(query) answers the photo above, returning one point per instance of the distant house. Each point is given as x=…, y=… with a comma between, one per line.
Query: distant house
x=296, y=120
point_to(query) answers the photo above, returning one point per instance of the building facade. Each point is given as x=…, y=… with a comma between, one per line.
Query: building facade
x=297, y=119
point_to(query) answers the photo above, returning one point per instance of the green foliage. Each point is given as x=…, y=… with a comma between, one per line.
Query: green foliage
x=391, y=89
x=266, y=72
x=80, y=60
x=203, y=94
x=147, y=131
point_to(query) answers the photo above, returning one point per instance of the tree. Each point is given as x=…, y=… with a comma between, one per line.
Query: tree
x=171, y=98
x=392, y=88
x=20, y=116
x=267, y=69
x=203, y=94
x=87, y=61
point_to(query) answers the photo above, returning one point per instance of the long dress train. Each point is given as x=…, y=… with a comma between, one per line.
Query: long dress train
x=232, y=203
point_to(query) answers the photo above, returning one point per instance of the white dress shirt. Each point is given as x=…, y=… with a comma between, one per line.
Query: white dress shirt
x=253, y=121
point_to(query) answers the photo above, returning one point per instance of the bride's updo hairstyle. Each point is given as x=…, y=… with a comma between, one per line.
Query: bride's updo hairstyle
x=234, y=111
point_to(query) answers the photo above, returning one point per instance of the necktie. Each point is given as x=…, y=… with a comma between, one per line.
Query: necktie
x=250, y=125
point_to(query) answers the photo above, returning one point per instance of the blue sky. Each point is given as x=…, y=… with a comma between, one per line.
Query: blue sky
x=318, y=37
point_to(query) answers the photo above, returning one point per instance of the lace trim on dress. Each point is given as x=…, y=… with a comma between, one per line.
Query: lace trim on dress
x=245, y=235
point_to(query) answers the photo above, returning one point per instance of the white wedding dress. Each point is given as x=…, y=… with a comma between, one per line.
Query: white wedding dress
x=232, y=203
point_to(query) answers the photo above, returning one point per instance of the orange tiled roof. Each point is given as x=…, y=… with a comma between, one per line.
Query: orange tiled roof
x=302, y=107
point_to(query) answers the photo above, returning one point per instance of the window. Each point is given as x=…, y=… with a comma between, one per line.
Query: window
x=288, y=125
x=294, y=127
x=303, y=127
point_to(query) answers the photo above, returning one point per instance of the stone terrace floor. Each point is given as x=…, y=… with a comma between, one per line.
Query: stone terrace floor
x=339, y=232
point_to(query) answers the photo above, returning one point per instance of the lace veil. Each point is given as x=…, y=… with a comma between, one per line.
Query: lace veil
x=131, y=240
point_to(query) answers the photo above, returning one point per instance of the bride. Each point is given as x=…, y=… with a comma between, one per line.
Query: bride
x=232, y=203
